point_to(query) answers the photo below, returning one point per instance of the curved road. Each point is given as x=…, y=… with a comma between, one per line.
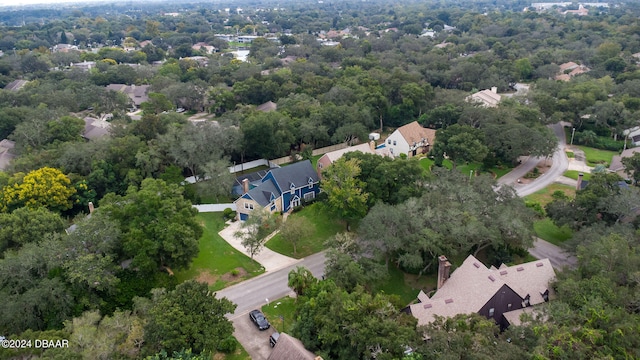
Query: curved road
x=560, y=165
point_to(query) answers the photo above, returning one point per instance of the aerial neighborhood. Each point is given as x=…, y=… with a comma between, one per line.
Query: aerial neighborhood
x=277, y=180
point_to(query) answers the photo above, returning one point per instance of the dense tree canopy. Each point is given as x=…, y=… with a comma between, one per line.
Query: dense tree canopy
x=158, y=225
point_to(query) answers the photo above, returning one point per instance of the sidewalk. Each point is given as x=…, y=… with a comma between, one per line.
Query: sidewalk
x=269, y=259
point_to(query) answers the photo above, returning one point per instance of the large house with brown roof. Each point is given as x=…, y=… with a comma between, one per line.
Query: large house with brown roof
x=411, y=139
x=491, y=292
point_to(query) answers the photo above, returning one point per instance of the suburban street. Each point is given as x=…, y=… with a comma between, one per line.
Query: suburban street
x=559, y=166
x=253, y=293
x=256, y=292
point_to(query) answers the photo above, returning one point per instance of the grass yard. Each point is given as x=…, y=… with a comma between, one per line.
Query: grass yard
x=218, y=264
x=544, y=196
x=427, y=164
x=406, y=286
x=547, y=230
x=596, y=156
x=285, y=307
x=314, y=160
x=325, y=227
x=573, y=174
x=239, y=354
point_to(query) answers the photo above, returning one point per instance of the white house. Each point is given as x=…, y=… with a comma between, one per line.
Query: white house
x=410, y=139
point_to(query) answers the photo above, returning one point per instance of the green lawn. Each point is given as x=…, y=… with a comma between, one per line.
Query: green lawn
x=285, y=307
x=239, y=354
x=427, y=164
x=547, y=230
x=544, y=196
x=314, y=160
x=596, y=156
x=573, y=174
x=325, y=227
x=217, y=259
x=406, y=286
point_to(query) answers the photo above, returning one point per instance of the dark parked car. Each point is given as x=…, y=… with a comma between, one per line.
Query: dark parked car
x=258, y=318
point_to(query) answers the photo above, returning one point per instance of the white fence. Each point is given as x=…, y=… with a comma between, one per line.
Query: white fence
x=320, y=151
x=214, y=207
x=250, y=165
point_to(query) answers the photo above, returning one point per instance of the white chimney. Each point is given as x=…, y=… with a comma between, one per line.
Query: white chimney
x=91, y=208
x=494, y=89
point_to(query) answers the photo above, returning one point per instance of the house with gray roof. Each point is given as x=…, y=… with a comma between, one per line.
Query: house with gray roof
x=95, y=128
x=16, y=85
x=280, y=190
x=491, y=292
x=137, y=93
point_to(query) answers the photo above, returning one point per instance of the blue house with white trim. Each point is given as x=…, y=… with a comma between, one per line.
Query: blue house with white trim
x=280, y=189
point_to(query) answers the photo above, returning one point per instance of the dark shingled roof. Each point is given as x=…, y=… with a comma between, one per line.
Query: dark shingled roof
x=297, y=173
x=262, y=193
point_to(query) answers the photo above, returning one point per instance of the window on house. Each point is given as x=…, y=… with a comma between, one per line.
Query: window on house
x=309, y=196
x=394, y=142
x=248, y=206
x=389, y=142
x=492, y=311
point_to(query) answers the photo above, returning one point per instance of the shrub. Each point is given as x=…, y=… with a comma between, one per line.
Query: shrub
x=228, y=345
x=235, y=272
x=228, y=213
x=535, y=206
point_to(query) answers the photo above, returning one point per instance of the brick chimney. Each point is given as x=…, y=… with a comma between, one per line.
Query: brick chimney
x=579, y=183
x=91, y=208
x=443, y=270
x=245, y=186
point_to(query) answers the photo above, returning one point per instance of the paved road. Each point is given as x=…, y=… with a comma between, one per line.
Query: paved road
x=252, y=294
x=558, y=257
x=559, y=166
x=542, y=249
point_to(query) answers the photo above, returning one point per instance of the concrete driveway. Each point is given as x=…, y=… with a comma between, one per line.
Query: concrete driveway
x=558, y=257
x=269, y=259
x=254, y=341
